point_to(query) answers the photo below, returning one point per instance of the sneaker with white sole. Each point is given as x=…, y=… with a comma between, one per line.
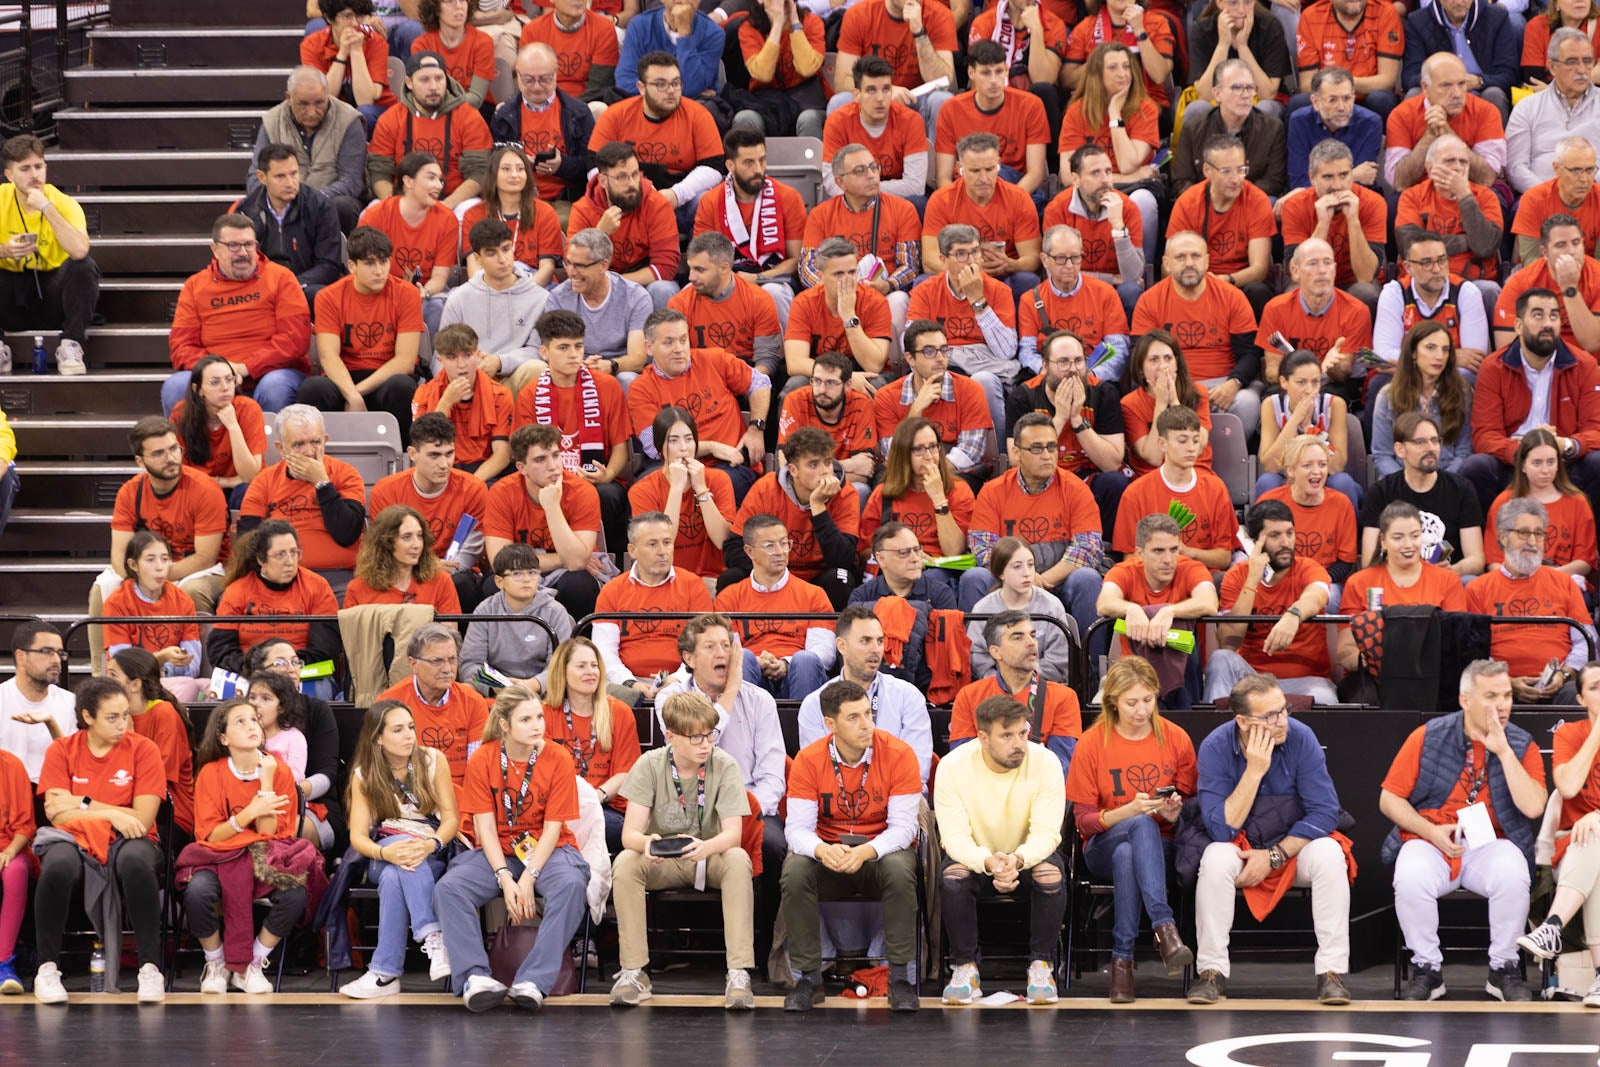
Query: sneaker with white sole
x=1591, y=999
x=253, y=980
x=631, y=987
x=526, y=995
x=5, y=358
x=482, y=992
x=69, y=358
x=152, y=986
x=1543, y=941
x=214, y=979
x=47, y=987
x=965, y=985
x=1041, y=984
x=371, y=986
x=438, y=958
x=736, y=995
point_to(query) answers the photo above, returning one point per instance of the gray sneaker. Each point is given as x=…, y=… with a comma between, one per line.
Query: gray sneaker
x=736, y=995
x=69, y=358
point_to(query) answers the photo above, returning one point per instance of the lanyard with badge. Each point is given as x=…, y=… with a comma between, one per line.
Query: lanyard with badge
x=581, y=753
x=1473, y=826
x=524, y=843
x=408, y=797
x=699, y=799
x=851, y=803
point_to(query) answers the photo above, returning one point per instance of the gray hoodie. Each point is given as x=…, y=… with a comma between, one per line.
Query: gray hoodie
x=503, y=321
x=519, y=650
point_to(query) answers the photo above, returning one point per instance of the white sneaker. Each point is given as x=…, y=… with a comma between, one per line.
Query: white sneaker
x=47, y=987
x=69, y=358
x=371, y=986
x=152, y=986
x=1591, y=999
x=632, y=987
x=5, y=358
x=527, y=995
x=253, y=980
x=215, y=977
x=482, y=993
x=439, y=959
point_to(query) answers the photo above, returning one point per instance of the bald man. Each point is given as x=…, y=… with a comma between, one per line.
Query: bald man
x=1445, y=105
x=552, y=127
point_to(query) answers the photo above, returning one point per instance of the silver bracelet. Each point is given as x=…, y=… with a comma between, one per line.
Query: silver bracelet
x=233, y=822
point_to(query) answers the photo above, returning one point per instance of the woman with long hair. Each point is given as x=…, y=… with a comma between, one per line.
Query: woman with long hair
x=274, y=667
x=1580, y=15
x=1113, y=87
x=414, y=218
x=512, y=195
x=920, y=489
x=264, y=577
x=158, y=715
x=223, y=433
x=1127, y=821
x=1157, y=379
x=397, y=565
x=1011, y=562
x=1538, y=471
x=698, y=498
x=597, y=728
x=147, y=560
x=1399, y=574
x=467, y=51
x=403, y=818
x=1303, y=408
x=1425, y=380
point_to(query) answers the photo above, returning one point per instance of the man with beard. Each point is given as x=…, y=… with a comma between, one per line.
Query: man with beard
x=1334, y=114
x=1086, y=412
x=1465, y=213
x=1571, y=192
x=1452, y=514
x=725, y=309
x=1116, y=243
x=1014, y=647
x=47, y=279
x=901, y=574
x=1433, y=294
x=1523, y=585
x=1072, y=299
x=1444, y=106
x=636, y=651
x=1273, y=581
x=1235, y=217
x=622, y=204
x=841, y=313
x=34, y=710
x=1563, y=267
x=763, y=218
x=1316, y=316
x=1536, y=381
x=433, y=115
x=547, y=116
x=891, y=132
x=843, y=413
x=1336, y=209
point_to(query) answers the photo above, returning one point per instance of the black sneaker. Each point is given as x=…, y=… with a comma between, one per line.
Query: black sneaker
x=1543, y=941
x=903, y=996
x=1207, y=988
x=1506, y=984
x=1427, y=983
x=806, y=994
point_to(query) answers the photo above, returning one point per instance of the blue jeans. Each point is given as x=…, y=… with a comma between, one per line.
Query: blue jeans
x=10, y=482
x=1135, y=856
x=402, y=895
x=613, y=819
x=468, y=885
x=806, y=675
x=275, y=391
x=1014, y=176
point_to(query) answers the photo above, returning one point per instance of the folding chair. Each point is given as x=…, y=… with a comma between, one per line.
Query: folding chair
x=1231, y=458
x=798, y=162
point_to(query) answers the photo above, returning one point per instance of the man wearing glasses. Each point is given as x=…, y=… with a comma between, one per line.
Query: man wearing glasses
x=1234, y=114
x=1071, y=299
x=34, y=710
x=553, y=127
x=612, y=308
x=1270, y=810
x=1433, y=294
x=450, y=715
x=1569, y=106
x=954, y=403
x=246, y=309
x=329, y=140
x=891, y=131
x=1571, y=192
x=1235, y=217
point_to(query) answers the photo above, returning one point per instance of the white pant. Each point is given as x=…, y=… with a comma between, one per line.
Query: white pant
x=1319, y=865
x=1497, y=872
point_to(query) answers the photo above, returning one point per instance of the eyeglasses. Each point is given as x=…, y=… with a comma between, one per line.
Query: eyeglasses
x=536, y=79
x=699, y=739
x=521, y=574
x=863, y=170
x=1528, y=535
x=439, y=663
x=1241, y=171
x=573, y=264
x=172, y=452
x=925, y=450
x=1587, y=172
x=1064, y=259
x=1038, y=449
x=662, y=86
x=238, y=246
x=816, y=382
x=1574, y=62
x=1068, y=364
x=933, y=351
x=961, y=255
x=289, y=664
x=1281, y=715
x=901, y=553
x=776, y=546
x=1240, y=87
x=1426, y=442
x=284, y=555
x=58, y=653
x=1435, y=263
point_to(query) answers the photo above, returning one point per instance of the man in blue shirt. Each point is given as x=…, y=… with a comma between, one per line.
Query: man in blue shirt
x=1264, y=775
x=1334, y=113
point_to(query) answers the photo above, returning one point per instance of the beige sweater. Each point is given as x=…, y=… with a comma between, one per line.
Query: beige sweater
x=981, y=813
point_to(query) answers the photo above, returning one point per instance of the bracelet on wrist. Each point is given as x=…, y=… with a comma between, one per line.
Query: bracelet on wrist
x=234, y=822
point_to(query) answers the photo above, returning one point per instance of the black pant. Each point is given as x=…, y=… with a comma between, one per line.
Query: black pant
x=62, y=299
x=204, y=893
x=614, y=514
x=393, y=396
x=960, y=903
x=61, y=871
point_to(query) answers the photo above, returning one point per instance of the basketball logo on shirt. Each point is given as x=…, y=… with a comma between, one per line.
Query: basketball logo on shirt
x=804, y=545
x=1032, y=529
x=1143, y=777
x=961, y=329
x=640, y=626
x=691, y=527
x=919, y=522
x=440, y=737
x=651, y=151
x=570, y=65
x=434, y=146
x=1222, y=243
x=990, y=233
x=722, y=334
x=897, y=55
x=1308, y=544
x=941, y=429
x=852, y=803
x=408, y=258
x=1095, y=252
x=296, y=509
x=539, y=140
x=367, y=334
x=626, y=252
x=1522, y=607
x=1189, y=333
x=157, y=635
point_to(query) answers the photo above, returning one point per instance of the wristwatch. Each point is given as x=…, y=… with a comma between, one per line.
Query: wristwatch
x=1570, y=291
x=1142, y=37
x=760, y=424
x=613, y=364
x=853, y=322
x=1276, y=856
x=1080, y=427
x=942, y=510
x=980, y=306
x=1115, y=124
x=1119, y=234
x=1294, y=610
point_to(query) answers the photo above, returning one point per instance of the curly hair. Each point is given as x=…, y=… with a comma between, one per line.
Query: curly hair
x=375, y=563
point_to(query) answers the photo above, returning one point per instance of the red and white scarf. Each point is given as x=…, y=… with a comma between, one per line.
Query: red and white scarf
x=591, y=442
x=765, y=238
x=1006, y=36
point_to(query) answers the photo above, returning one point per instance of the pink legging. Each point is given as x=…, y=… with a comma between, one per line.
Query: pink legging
x=13, y=902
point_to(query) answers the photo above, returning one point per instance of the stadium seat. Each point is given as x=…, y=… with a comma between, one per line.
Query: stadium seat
x=798, y=161
x=1231, y=458
x=1356, y=466
x=367, y=440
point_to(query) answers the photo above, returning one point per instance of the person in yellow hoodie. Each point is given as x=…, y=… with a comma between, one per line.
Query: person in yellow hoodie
x=9, y=482
x=47, y=280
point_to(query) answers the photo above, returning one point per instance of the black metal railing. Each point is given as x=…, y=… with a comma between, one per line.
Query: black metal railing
x=38, y=45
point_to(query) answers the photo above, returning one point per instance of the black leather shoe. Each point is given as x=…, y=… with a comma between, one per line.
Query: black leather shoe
x=903, y=996
x=806, y=994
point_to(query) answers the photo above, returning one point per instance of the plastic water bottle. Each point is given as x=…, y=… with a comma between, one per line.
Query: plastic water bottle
x=97, y=969
x=41, y=362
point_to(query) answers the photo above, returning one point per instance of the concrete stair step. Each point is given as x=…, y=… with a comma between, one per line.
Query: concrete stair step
x=76, y=484
x=161, y=171
x=152, y=253
x=250, y=84
x=114, y=214
x=178, y=47
x=107, y=128
x=143, y=300
x=72, y=436
x=47, y=579
x=56, y=530
x=106, y=393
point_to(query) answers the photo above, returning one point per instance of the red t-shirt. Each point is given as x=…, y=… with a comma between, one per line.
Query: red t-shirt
x=1228, y=234
x=1298, y=220
x=1093, y=312
x=897, y=222
x=1129, y=576
x=438, y=593
x=823, y=331
x=904, y=135
x=594, y=764
x=1407, y=767
x=1436, y=585
x=1099, y=29
x=318, y=50
x=594, y=41
x=1543, y=200
x=969, y=408
x=417, y=249
x=516, y=517
x=781, y=637
x=1547, y=591
x=933, y=299
x=1568, y=740
x=1537, y=275
x=1139, y=420
x=1109, y=769
x=540, y=131
x=1009, y=215
x=752, y=41
x=453, y=728
x=709, y=389
x=133, y=768
x=1326, y=532
x=552, y=794
x=869, y=30
x=733, y=323
x=768, y=497
x=195, y=507
x=1321, y=42
x=1019, y=122
x=1204, y=327
x=152, y=636
x=400, y=131
x=16, y=801
x=220, y=795
x=1478, y=120
x=273, y=494
x=1215, y=523
x=1307, y=654
x=251, y=424
x=1062, y=716
x=368, y=325
x=1569, y=536
x=308, y=594
x=540, y=239
x=1061, y=511
x=1421, y=205
x=649, y=645
x=915, y=509
x=1144, y=127
x=162, y=724
x=566, y=404
x=676, y=142
x=1346, y=317
x=854, y=800
x=479, y=421
x=472, y=58
x=693, y=551
x=1099, y=247
x=462, y=495
x=854, y=432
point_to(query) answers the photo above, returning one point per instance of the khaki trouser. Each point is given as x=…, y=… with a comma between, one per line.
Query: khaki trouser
x=1320, y=865
x=1580, y=872
x=633, y=873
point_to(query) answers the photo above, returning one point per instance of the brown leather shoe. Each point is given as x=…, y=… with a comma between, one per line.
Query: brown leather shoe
x=1174, y=953
x=1121, y=981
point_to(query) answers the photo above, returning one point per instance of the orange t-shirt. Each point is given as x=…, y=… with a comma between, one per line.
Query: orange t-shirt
x=1421, y=205
x=915, y=509
x=768, y=497
x=675, y=143
x=1129, y=576
x=540, y=239
x=1009, y=215
x=1099, y=247
x=462, y=495
x=752, y=41
x=903, y=135
x=513, y=516
x=1051, y=21
x=1321, y=42
x=1144, y=127
x=1436, y=585
x=1307, y=654
x=710, y=389
x=472, y=58
x=1569, y=536
x=318, y=49
x=897, y=222
x=1019, y=122
x=1346, y=317
x=781, y=637
x=1139, y=419
x=439, y=594
x=854, y=432
x=16, y=799
x=368, y=325
x=1204, y=327
x=453, y=728
x=649, y=645
x=933, y=299
x=251, y=424
x=1228, y=233
x=540, y=131
x=1478, y=120
x=1537, y=275
x=435, y=242
x=733, y=323
x=1565, y=744
x=1407, y=766
x=1215, y=522
x=823, y=331
x=869, y=30
x=1062, y=716
x=567, y=409
x=854, y=800
x=968, y=409
x=645, y=238
x=133, y=768
x=1298, y=221
x=1543, y=200
x=552, y=794
x=1325, y=532
x=220, y=795
x=273, y=494
x=1063, y=509
x=594, y=41
x=1526, y=649
x=152, y=636
x=1108, y=769
x=479, y=422
x=1098, y=29
x=309, y=594
x=161, y=723
x=400, y=131
x=592, y=763
x=194, y=508
x=693, y=551
x=1092, y=312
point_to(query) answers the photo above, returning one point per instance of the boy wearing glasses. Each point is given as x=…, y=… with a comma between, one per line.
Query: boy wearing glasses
x=34, y=710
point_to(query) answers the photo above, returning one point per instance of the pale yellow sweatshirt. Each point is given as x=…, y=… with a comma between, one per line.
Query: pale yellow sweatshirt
x=8, y=444
x=981, y=812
